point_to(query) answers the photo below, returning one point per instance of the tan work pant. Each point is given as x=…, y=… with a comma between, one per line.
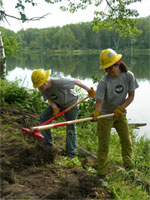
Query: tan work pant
x=103, y=131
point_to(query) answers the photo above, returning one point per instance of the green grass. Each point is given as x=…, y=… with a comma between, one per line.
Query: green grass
x=132, y=185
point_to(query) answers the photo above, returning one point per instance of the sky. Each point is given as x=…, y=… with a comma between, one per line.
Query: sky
x=56, y=16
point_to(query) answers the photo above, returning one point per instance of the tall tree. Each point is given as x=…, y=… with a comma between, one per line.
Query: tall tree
x=10, y=45
x=2, y=59
x=3, y=17
x=117, y=14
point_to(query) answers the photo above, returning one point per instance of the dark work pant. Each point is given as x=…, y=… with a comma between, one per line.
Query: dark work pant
x=71, y=135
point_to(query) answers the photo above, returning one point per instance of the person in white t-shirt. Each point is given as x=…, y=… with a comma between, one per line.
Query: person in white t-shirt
x=61, y=94
x=114, y=93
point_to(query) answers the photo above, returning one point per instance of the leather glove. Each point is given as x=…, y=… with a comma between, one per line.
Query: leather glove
x=95, y=114
x=119, y=111
x=55, y=111
x=92, y=93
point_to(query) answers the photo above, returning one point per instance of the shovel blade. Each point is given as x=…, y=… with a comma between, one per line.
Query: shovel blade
x=36, y=135
x=26, y=130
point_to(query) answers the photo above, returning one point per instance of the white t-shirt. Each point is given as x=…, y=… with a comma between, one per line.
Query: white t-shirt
x=113, y=90
x=61, y=92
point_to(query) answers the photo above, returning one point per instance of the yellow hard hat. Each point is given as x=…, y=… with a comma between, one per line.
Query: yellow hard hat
x=39, y=77
x=108, y=58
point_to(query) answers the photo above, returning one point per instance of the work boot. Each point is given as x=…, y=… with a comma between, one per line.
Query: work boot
x=71, y=155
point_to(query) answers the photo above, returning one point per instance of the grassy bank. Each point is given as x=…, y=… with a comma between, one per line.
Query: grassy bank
x=120, y=184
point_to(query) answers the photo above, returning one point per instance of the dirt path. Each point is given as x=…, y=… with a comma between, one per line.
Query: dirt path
x=30, y=170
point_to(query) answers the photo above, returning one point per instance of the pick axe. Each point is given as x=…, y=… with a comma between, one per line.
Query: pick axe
x=34, y=130
x=37, y=135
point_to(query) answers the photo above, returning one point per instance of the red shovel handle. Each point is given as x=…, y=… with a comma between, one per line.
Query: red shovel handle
x=34, y=133
x=64, y=111
x=53, y=118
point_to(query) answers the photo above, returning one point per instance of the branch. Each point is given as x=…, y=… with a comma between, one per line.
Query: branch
x=2, y=13
x=109, y=5
x=37, y=18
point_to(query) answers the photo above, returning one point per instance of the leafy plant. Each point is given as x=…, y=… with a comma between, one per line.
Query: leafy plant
x=11, y=93
x=10, y=42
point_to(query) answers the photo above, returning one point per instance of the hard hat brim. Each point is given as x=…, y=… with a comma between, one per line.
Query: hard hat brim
x=118, y=57
x=47, y=73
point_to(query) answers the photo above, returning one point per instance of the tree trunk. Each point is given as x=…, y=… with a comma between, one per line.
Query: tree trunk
x=2, y=59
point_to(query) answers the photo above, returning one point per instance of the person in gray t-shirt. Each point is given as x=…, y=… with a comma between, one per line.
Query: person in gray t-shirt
x=61, y=94
x=114, y=93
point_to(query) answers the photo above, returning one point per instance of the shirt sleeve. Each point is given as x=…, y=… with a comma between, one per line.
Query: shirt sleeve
x=101, y=89
x=132, y=81
x=64, y=83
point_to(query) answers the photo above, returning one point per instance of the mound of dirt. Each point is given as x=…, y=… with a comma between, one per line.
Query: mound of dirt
x=32, y=170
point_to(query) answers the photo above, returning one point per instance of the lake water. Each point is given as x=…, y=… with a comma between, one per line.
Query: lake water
x=83, y=67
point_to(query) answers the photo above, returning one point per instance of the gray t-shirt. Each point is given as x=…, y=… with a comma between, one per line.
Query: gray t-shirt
x=61, y=92
x=113, y=91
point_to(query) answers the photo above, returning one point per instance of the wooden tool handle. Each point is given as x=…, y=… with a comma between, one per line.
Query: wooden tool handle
x=74, y=105
x=38, y=128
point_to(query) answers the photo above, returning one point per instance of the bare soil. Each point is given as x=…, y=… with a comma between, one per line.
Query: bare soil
x=31, y=170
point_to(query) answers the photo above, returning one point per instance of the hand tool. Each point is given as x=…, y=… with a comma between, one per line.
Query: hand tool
x=35, y=129
x=39, y=135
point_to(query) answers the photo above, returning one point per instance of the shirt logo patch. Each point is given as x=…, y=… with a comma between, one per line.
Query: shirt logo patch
x=119, y=89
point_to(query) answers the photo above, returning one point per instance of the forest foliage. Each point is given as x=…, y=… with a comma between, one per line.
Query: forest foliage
x=78, y=36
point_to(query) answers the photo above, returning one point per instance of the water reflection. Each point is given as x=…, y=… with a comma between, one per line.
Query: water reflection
x=81, y=66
